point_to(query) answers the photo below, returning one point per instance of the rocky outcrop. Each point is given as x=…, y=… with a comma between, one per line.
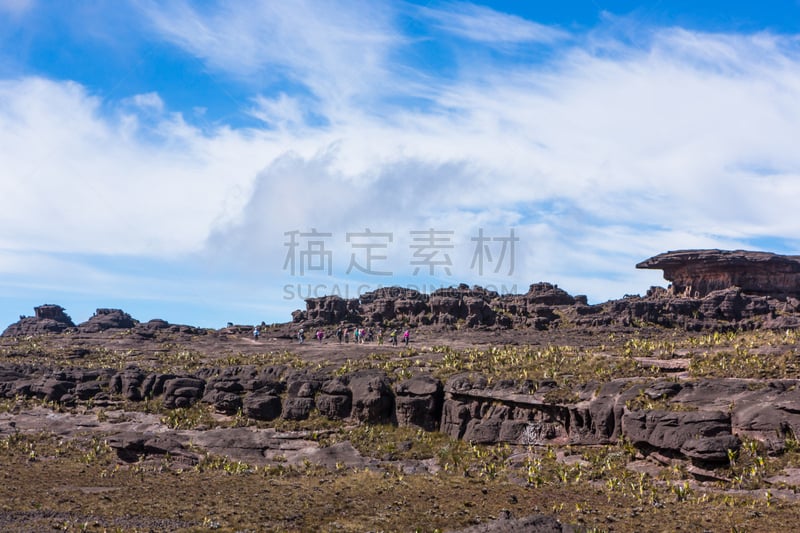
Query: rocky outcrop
x=698, y=273
x=419, y=402
x=51, y=319
x=701, y=420
x=711, y=290
x=48, y=319
x=104, y=319
x=722, y=310
x=454, y=307
x=545, y=306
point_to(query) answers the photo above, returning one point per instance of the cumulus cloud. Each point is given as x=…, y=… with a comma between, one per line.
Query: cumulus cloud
x=84, y=182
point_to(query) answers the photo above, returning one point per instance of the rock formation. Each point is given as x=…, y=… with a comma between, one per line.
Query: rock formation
x=48, y=319
x=711, y=289
x=454, y=306
x=104, y=319
x=698, y=273
x=52, y=319
x=698, y=420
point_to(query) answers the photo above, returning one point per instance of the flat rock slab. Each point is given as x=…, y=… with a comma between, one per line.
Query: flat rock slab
x=789, y=477
x=667, y=365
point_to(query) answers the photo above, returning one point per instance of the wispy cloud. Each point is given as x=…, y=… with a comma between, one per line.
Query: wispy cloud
x=485, y=25
x=336, y=51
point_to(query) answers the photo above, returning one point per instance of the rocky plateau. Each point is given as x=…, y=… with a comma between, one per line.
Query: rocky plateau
x=669, y=416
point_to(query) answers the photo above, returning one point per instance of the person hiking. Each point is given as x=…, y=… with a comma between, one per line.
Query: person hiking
x=339, y=334
x=393, y=337
x=256, y=333
x=301, y=335
x=406, y=336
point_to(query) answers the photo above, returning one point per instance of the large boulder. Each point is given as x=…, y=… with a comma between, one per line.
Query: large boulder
x=668, y=431
x=132, y=446
x=261, y=406
x=419, y=402
x=711, y=449
x=129, y=383
x=373, y=401
x=335, y=399
x=182, y=392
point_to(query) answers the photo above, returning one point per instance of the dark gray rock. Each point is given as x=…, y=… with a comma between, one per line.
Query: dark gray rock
x=335, y=399
x=128, y=383
x=711, y=449
x=131, y=446
x=88, y=389
x=373, y=401
x=51, y=390
x=182, y=392
x=297, y=408
x=260, y=406
x=456, y=414
x=669, y=430
x=419, y=402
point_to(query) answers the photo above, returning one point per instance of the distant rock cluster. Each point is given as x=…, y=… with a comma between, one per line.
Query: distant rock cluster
x=53, y=319
x=48, y=318
x=458, y=306
x=711, y=289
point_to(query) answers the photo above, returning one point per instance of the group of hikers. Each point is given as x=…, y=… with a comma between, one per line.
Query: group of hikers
x=359, y=335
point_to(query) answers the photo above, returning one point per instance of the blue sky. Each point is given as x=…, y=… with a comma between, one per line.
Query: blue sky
x=184, y=160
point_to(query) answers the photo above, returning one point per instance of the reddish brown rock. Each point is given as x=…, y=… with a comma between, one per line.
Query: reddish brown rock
x=48, y=319
x=104, y=319
x=697, y=273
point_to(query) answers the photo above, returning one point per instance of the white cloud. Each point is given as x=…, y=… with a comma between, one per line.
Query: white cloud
x=146, y=102
x=486, y=25
x=79, y=181
x=281, y=112
x=598, y=160
x=336, y=50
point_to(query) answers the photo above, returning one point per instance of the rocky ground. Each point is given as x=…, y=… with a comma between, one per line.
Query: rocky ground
x=532, y=412
x=617, y=429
